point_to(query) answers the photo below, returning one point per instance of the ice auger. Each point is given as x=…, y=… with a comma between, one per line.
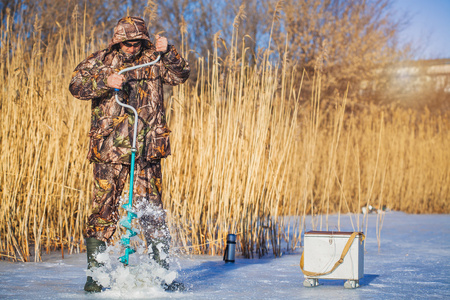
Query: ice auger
x=126, y=222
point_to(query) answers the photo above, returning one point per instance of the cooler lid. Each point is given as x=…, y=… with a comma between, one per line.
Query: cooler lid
x=328, y=233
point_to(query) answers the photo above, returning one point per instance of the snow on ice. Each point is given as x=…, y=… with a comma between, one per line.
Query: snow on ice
x=412, y=263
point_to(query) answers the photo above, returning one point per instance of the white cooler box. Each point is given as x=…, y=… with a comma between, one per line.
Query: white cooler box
x=322, y=254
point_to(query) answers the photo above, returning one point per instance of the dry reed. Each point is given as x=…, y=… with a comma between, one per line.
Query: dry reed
x=248, y=156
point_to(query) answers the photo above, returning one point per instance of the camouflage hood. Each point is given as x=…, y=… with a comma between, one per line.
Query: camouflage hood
x=130, y=28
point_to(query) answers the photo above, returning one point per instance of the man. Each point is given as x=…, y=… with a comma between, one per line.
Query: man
x=111, y=132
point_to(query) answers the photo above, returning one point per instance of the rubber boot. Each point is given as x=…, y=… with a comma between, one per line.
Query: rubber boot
x=156, y=253
x=94, y=247
x=160, y=248
x=174, y=286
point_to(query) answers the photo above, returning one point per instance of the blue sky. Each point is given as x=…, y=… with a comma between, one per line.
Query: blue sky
x=429, y=27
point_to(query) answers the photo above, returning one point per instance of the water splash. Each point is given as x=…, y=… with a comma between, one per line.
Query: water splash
x=143, y=277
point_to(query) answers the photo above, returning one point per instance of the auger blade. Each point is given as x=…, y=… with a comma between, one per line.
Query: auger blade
x=125, y=258
x=126, y=239
x=130, y=233
x=126, y=223
x=129, y=208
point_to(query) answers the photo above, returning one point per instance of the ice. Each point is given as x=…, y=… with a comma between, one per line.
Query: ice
x=412, y=263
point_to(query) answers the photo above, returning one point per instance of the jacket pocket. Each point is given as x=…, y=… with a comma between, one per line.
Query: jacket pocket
x=104, y=128
x=98, y=145
x=158, y=143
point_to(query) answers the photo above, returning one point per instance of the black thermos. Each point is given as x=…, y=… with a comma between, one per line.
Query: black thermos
x=230, y=250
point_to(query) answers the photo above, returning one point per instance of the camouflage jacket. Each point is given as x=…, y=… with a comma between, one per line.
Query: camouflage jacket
x=111, y=130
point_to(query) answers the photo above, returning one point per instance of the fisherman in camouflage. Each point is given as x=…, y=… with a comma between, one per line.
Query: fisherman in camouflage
x=111, y=132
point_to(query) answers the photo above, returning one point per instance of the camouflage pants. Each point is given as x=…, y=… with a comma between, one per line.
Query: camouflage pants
x=109, y=181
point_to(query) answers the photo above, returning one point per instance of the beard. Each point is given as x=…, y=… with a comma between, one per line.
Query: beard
x=127, y=57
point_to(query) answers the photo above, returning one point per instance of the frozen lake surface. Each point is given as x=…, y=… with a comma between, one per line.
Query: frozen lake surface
x=413, y=263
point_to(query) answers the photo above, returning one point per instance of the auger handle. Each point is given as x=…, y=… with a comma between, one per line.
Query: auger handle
x=129, y=106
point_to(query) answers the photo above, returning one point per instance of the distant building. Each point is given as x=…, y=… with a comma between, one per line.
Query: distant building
x=417, y=74
x=410, y=81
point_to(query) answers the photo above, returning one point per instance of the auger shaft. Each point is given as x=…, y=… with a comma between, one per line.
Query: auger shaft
x=125, y=240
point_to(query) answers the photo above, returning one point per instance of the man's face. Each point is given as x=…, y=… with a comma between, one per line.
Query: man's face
x=131, y=47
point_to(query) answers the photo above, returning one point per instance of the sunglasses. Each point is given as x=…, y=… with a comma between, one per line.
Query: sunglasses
x=129, y=45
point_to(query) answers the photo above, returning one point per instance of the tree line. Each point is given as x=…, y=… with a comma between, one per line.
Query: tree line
x=348, y=41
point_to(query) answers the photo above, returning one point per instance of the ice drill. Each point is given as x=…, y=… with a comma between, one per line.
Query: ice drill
x=126, y=222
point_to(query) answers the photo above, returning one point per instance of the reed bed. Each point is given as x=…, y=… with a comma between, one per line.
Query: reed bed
x=251, y=155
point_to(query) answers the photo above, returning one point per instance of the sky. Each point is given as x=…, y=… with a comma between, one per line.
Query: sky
x=429, y=26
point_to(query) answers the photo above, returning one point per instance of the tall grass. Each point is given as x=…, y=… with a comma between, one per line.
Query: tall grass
x=45, y=180
x=250, y=155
